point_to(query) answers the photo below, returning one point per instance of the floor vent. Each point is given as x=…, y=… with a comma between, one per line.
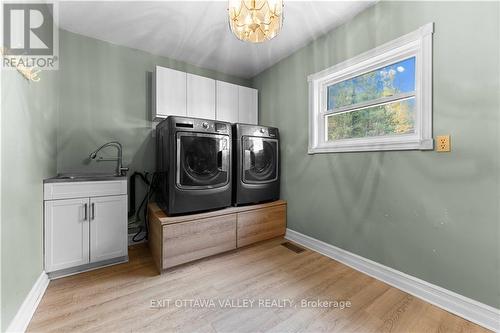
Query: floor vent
x=293, y=247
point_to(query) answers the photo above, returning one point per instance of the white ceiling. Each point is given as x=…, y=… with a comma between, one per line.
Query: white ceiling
x=197, y=32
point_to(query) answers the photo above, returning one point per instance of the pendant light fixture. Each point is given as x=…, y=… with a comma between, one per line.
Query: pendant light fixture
x=255, y=21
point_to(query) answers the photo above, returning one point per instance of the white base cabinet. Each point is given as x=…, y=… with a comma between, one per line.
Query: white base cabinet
x=84, y=230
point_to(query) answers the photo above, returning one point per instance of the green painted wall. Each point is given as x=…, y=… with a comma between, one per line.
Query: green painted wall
x=29, y=113
x=106, y=95
x=434, y=216
x=431, y=215
x=100, y=93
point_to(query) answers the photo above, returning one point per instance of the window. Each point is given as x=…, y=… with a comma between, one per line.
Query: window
x=379, y=100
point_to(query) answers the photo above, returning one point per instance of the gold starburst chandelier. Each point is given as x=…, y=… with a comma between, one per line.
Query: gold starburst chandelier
x=255, y=20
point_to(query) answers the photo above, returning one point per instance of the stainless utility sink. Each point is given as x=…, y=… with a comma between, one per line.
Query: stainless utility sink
x=83, y=177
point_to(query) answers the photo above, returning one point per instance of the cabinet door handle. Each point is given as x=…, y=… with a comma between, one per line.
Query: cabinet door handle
x=93, y=211
x=85, y=212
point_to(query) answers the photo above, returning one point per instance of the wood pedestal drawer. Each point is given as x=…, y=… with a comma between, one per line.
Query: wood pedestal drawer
x=175, y=240
x=184, y=242
x=261, y=224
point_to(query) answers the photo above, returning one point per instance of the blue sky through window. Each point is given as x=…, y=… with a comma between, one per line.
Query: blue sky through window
x=404, y=80
x=386, y=81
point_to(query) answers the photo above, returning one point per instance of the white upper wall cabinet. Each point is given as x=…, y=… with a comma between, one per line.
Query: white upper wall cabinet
x=227, y=102
x=247, y=105
x=169, y=93
x=200, y=97
x=177, y=93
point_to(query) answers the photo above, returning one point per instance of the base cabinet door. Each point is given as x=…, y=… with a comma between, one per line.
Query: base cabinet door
x=108, y=227
x=66, y=233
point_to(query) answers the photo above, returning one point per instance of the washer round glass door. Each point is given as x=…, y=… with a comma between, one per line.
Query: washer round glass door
x=260, y=160
x=202, y=160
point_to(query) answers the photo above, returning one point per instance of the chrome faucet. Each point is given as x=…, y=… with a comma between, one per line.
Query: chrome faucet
x=120, y=170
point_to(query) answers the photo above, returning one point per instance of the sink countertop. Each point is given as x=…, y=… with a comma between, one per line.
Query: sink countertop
x=83, y=177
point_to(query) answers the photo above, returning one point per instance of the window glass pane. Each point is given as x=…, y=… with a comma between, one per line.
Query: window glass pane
x=388, y=119
x=383, y=82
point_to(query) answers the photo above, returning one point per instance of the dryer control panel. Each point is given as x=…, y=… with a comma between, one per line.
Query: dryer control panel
x=259, y=131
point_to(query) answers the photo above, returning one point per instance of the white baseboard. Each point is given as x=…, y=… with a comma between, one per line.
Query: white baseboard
x=23, y=316
x=450, y=301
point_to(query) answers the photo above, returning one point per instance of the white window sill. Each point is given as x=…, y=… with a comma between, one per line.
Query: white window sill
x=340, y=147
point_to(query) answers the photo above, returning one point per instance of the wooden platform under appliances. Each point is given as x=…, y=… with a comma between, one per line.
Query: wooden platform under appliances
x=174, y=240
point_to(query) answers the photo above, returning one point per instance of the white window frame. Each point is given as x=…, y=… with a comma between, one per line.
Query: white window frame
x=416, y=44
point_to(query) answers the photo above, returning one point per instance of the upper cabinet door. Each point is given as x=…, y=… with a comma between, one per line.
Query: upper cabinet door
x=227, y=102
x=108, y=227
x=248, y=105
x=200, y=97
x=66, y=233
x=169, y=93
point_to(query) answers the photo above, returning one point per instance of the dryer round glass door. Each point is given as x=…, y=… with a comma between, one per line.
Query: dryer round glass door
x=202, y=160
x=259, y=160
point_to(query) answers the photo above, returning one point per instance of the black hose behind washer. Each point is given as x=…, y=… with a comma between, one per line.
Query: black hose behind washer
x=132, y=191
x=145, y=200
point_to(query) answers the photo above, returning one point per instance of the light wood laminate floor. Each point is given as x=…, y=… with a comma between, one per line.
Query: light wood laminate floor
x=119, y=298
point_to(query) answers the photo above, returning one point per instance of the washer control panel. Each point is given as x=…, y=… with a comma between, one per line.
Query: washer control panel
x=203, y=125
